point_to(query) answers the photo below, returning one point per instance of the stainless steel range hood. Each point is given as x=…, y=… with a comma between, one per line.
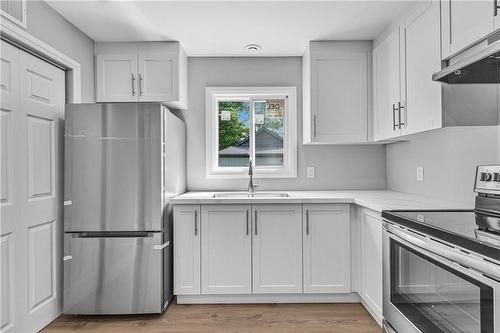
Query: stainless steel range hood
x=476, y=64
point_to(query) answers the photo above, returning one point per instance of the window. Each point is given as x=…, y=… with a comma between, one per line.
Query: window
x=14, y=11
x=251, y=124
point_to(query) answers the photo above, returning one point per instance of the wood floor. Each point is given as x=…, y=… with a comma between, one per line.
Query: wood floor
x=275, y=318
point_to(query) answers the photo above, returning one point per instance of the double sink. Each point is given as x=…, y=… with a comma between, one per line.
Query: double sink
x=237, y=195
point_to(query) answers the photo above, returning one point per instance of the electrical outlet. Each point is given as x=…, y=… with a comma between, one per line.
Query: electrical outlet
x=311, y=172
x=420, y=173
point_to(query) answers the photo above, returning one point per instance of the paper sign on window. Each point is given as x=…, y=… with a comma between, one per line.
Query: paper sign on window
x=225, y=115
x=259, y=119
x=275, y=107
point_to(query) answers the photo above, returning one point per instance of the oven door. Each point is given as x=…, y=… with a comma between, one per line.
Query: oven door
x=426, y=292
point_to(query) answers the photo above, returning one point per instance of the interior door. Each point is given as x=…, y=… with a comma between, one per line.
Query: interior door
x=158, y=77
x=32, y=114
x=277, y=249
x=226, y=249
x=117, y=79
x=386, y=86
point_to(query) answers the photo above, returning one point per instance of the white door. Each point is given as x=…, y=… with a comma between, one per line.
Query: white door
x=340, y=97
x=277, y=248
x=469, y=21
x=371, y=261
x=187, y=232
x=117, y=79
x=158, y=77
x=326, y=248
x=32, y=125
x=423, y=109
x=226, y=249
x=386, y=87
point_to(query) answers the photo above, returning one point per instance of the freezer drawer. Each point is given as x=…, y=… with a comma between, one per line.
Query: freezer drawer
x=113, y=273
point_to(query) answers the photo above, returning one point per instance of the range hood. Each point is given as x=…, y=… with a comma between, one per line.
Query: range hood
x=479, y=63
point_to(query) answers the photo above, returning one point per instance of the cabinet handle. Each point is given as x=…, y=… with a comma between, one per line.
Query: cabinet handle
x=314, y=126
x=495, y=8
x=400, y=106
x=307, y=222
x=195, y=222
x=394, y=117
x=140, y=84
x=133, y=85
x=247, y=224
x=255, y=223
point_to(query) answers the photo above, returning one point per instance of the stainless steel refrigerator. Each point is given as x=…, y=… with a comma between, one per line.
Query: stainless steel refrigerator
x=123, y=162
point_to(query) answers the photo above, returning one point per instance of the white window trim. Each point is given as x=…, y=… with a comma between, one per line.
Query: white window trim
x=22, y=23
x=288, y=170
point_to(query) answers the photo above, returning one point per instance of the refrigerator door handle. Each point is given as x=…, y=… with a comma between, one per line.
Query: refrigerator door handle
x=162, y=246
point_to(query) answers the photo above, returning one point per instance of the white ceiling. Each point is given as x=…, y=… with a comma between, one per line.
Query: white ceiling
x=223, y=28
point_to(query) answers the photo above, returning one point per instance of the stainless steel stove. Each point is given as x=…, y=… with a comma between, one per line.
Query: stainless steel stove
x=442, y=267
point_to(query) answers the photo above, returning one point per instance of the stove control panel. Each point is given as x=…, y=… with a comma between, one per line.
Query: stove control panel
x=488, y=179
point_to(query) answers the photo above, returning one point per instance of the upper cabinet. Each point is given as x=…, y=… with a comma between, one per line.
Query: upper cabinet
x=466, y=22
x=336, y=89
x=142, y=72
x=405, y=56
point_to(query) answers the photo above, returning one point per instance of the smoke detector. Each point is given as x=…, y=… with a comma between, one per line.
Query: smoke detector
x=253, y=48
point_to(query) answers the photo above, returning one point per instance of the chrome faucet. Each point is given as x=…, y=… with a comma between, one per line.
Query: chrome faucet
x=251, y=184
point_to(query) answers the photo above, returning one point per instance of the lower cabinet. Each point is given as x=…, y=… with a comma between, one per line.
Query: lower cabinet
x=326, y=248
x=371, y=261
x=226, y=249
x=277, y=249
x=187, y=277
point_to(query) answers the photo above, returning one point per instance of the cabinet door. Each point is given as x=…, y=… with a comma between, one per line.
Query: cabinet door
x=326, y=249
x=386, y=86
x=371, y=261
x=465, y=22
x=226, y=249
x=116, y=78
x=187, y=250
x=277, y=249
x=339, y=97
x=158, y=77
x=422, y=102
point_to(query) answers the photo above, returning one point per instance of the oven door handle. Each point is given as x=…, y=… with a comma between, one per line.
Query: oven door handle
x=449, y=254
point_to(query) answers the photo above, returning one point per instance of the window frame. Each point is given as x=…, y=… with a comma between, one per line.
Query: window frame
x=21, y=23
x=289, y=167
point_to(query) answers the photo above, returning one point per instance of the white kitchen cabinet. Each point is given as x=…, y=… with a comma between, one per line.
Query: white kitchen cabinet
x=465, y=22
x=421, y=97
x=142, y=72
x=116, y=77
x=326, y=239
x=371, y=261
x=336, y=87
x=386, y=86
x=406, y=100
x=226, y=249
x=187, y=233
x=277, y=248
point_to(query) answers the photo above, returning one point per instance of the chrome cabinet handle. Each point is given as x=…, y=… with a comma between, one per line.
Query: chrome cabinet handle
x=68, y=257
x=400, y=106
x=307, y=222
x=133, y=85
x=140, y=84
x=162, y=246
x=394, y=117
x=195, y=222
x=314, y=126
x=247, y=224
x=255, y=223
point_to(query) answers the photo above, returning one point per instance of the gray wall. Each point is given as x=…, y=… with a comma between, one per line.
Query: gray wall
x=449, y=157
x=49, y=26
x=337, y=167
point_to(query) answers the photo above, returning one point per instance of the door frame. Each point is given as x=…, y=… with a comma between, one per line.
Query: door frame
x=13, y=33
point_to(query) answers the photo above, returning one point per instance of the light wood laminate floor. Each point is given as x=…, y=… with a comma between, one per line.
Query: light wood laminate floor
x=275, y=318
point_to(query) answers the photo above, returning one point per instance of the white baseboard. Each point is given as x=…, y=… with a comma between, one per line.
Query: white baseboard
x=274, y=298
x=377, y=316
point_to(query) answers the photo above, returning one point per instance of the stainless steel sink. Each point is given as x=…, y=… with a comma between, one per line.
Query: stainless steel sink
x=238, y=195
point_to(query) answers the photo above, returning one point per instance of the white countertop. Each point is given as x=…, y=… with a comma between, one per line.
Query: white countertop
x=377, y=200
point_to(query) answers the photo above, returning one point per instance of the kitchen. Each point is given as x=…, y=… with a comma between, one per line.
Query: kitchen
x=214, y=166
